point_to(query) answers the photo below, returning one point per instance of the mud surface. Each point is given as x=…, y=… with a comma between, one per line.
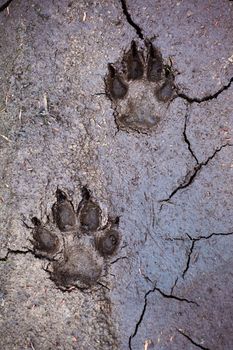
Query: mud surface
x=116, y=172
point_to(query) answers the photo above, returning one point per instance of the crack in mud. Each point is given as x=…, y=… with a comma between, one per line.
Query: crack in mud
x=191, y=340
x=36, y=256
x=167, y=296
x=189, y=257
x=118, y=259
x=186, y=140
x=115, y=115
x=4, y=6
x=206, y=98
x=130, y=20
x=194, y=240
x=191, y=175
x=15, y=252
x=23, y=252
x=171, y=296
x=174, y=285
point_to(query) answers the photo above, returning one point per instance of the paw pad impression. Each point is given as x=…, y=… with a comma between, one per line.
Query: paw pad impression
x=108, y=242
x=45, y=242
x=141, y=87
x=63, y=212
x=76, y=243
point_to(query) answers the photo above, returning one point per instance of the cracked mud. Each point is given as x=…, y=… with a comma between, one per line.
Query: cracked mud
x=116, y=239
x=191, y=175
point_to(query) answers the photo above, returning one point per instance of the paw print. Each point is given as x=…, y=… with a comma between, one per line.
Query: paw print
x=45, y=243
x=75, y=242
x=141, y=88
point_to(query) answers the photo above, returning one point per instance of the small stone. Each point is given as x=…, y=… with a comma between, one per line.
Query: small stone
x=189, y=13
x=230, y=59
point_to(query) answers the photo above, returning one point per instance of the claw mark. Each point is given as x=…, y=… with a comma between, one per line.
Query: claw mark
x=63, y=212
x=117, y=87
x=155, y=63
x=141, y=113
x=191, y=340
x=134, y=63
x=191, y=175
x=89, y=212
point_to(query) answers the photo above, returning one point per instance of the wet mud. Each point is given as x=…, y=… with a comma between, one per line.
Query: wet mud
x=116, y=220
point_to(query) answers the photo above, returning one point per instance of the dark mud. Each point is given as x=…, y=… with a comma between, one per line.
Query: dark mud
x=82, y=242
x=116, y=175
x=140, y=89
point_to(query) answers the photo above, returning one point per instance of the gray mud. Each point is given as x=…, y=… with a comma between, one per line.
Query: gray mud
x=152, y=248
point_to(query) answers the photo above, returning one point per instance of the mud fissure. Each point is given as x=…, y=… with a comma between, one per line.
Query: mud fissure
x=118, y=259
x=205, y=98
x=130, y=20
x=194, y=240
x=167, y=296
x=23, y=252
x=4, y=6
x=191, y=175
x=15, y=252
x=191, y=340
x=189, y=258
x=186, y=140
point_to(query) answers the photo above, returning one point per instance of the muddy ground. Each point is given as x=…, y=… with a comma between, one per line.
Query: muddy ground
x=170, y=283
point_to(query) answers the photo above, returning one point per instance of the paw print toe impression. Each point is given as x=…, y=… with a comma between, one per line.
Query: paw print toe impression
x=45, y=242
x=154, y=64
x=134, y=63
x=63, y=212
x=107, y=242
x=117, y=87
x=141, y=87
x=75, y=243
x=89, y=213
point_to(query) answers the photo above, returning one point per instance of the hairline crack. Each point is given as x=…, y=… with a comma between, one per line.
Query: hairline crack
x=163, y=294
x=191, y=340
x=197, y=239
x=191, y=175
x=205, y=98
